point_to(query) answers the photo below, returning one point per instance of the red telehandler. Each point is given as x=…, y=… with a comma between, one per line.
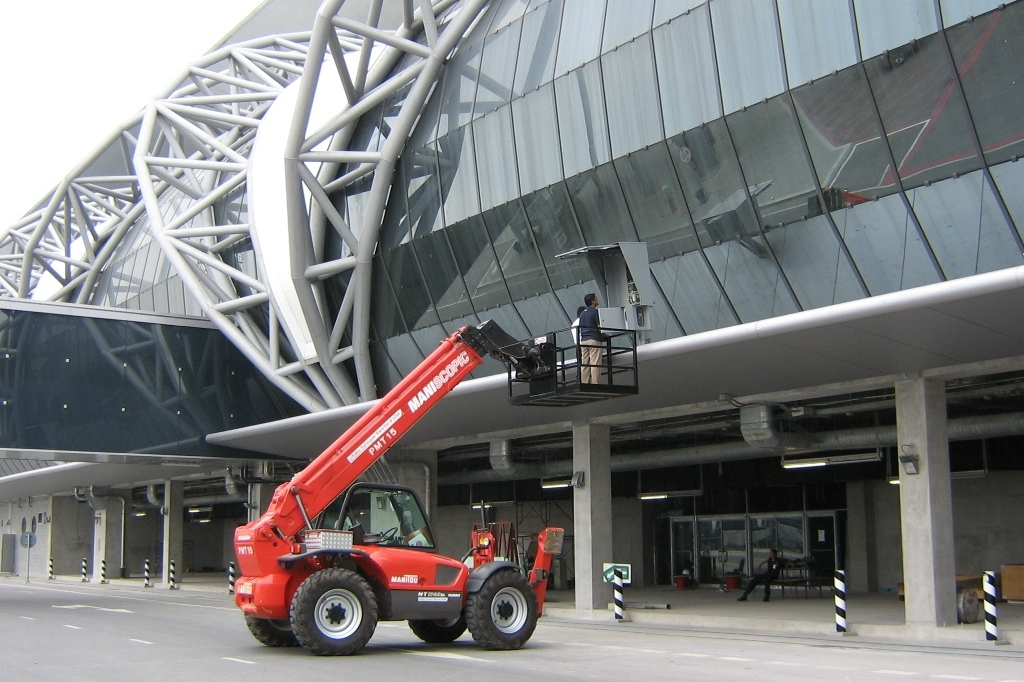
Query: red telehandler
x=331, y=556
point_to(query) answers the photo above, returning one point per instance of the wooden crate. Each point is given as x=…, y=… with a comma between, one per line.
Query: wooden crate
x=1013, y=581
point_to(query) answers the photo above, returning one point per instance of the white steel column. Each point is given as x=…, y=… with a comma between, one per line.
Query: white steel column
x=592, y=513
x=174, y=531
x=926, y=506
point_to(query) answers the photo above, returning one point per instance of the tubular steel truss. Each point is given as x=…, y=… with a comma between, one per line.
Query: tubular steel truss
x=182, y=168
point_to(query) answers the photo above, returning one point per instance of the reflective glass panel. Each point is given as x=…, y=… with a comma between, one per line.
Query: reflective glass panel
x=536, y=62
x=693, y=292
x=600, y=208
x=624, y=20
x=656, y=202
x=964, y=226
x=555, y=231
x=749, y=54
x=1009, y=178
x=442, y=276
x=710, y=177
x=751, y=280
x=386, y=316
x=818, y=37
x=955, y=11
x=888, y=25
x=497, y=70
x=582, y=43
x=669, y=9
x=630, y=87
x=581, y=120
x=517, y=256
x=841, y=129
x=495, y=160
x=542, y=314
x=987, y=53
x=686, y=71
x=536, y=133
x=477, y=263
x=808, y=252
x=507, y=12
x=925, y=118
x=419, y=168
x=458, y=175
x=459, y=88
x=411, y=291
x=885, y=245
x=774, y=164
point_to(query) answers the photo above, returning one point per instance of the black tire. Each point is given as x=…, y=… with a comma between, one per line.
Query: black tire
x=334, y=612
x=271, y=632
x=438, y=631
x=503, y=614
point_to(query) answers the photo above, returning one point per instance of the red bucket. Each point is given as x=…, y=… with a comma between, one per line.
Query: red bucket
x=682, y=582
x=732, y=582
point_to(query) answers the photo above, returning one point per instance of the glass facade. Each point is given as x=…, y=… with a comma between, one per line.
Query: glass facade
x=775, y=156
x=118, y=385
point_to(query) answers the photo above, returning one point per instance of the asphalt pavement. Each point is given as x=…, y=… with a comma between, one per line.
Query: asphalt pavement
x=88, y=632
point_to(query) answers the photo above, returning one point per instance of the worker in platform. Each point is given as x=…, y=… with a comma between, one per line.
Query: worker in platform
x=591, y=341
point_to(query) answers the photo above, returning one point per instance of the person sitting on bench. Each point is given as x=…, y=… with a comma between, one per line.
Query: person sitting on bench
x=774, y=567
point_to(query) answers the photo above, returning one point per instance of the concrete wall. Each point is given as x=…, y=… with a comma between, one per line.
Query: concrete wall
x=143, y=540
x=71, y=535
x=627, y=536
x=12, y=514
x=988, y=529
x=210, y=546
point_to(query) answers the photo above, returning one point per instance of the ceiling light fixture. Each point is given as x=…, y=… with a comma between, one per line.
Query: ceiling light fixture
x=851, y=458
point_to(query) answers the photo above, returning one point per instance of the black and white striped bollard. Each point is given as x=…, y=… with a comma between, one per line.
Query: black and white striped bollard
x=171, y=582
x=991, y=628
x=231, y=578
x=49, y=570
x=147, y=578
x=618, y=595
x=85, y=569
x=103, y=572
x=840, y=592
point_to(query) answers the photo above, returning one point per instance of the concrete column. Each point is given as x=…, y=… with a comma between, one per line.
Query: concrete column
x=926, y=504
x=259, y=499
x=108, y=536
x=857, y=531
x=417, y=469
x=592, y=513
x=174, y=530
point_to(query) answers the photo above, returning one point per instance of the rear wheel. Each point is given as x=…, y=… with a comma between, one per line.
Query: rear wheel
x=334, y=612
x=271, y=632
x=439, y=631
x=503, y=614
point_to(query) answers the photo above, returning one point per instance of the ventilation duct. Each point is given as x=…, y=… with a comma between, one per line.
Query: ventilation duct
x=501, y=456
x=757, y=424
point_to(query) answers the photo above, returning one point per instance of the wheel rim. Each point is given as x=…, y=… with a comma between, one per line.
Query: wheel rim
x=508, y=610
x=338, y=614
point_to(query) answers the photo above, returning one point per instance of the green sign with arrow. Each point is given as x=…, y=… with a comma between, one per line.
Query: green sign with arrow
x=608, y=570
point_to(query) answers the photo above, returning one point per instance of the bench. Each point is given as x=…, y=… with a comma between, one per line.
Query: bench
x=801, y=573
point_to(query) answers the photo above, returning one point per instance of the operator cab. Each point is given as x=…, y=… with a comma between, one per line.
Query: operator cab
x=386, y=515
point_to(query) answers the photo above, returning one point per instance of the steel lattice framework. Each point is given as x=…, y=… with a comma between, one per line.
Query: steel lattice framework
x=186, y=166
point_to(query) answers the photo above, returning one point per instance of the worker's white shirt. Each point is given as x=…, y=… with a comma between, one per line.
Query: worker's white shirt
x=574, y=329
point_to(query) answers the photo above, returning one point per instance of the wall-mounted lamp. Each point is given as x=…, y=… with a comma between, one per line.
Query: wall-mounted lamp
x=909, y=459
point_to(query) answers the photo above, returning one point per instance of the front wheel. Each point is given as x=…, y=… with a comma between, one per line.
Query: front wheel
x=503, y=614
x=438, y=631
x=334, y=612
x=271, y=632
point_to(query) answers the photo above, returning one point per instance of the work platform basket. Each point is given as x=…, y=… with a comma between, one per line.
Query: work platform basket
x=563, y=385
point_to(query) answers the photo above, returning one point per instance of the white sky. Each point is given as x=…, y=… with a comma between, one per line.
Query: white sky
x=79, y=68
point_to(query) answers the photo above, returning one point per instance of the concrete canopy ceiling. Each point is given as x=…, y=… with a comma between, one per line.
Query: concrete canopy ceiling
x=924, y=330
